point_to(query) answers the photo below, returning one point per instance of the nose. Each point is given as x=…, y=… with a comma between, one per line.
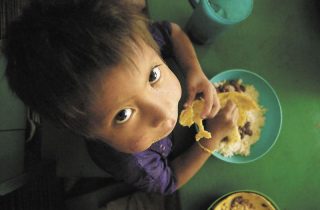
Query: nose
x=155, y=111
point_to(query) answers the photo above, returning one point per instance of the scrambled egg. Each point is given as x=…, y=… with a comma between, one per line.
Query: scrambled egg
x=244, y=104
x=249, y=111
x=191, y=115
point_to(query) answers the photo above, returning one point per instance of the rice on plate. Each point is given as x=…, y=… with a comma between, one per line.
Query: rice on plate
x=251, y=117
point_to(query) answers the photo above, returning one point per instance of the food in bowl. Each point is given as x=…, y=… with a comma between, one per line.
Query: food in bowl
x=244, y=201
x=251, y=117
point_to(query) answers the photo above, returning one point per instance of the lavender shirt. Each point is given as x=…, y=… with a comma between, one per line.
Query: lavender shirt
x=148, y=170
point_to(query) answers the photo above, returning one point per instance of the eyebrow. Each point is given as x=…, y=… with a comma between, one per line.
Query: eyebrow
x=130, y=60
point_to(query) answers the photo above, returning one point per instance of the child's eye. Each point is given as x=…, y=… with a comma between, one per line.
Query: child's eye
x=123, y=115
x=154, y=75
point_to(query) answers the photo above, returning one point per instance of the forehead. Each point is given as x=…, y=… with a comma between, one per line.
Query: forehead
x=137, y=61
x=123, y=81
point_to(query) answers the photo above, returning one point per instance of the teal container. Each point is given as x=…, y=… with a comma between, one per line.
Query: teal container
x=211, y=17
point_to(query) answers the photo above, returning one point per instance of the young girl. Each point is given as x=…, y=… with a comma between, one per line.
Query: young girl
x=97, y=67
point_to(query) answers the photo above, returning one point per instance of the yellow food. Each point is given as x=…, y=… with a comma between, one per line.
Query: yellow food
x=244, y=201
x=191, y=115
x=243, y=102
x=249, y=112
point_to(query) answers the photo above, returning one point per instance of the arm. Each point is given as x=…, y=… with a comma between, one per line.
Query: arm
x=197, y=82
x=188, y=164
x=184, y=51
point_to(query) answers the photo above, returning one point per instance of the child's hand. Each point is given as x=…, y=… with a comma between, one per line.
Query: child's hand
x=198, y=83
x=224, y=122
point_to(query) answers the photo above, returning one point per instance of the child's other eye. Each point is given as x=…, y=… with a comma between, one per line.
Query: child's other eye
x=123, y=115
x=154, y=75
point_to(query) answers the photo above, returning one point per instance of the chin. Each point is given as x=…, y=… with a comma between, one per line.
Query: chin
x=139, y=149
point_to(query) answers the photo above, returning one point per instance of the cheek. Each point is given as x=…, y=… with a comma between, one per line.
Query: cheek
x=173, y=85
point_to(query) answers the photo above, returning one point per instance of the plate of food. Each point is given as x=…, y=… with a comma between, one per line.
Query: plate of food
x=260, y=115
x=244, y=199
x=259, y=122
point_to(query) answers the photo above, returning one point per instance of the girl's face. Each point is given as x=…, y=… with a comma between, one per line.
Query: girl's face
x=140, y=106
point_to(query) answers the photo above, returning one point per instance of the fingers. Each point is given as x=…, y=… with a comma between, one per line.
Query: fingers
x=225, y=121
x=215, y=104
x=229, y=108
x=208, y=98
x=231, y=111
x=235, y=115
x=191, y=97
x=211, y=105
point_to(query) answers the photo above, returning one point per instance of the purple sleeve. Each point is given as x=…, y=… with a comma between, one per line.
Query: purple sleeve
x=157, y=174
x=148, y=171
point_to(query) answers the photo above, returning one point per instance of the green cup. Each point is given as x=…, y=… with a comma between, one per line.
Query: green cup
x=211, y=17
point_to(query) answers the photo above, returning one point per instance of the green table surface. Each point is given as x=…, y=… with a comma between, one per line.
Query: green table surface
x=280, y=40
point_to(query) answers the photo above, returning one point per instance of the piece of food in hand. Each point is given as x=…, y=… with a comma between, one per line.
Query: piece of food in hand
x=251, y=117
x=244, y=104
x=191, y=115
x=244, y=200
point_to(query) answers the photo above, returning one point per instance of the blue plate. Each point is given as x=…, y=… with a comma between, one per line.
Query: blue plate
x=273, y=117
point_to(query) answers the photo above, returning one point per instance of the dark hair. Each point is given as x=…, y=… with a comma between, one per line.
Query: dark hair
x=57, y=49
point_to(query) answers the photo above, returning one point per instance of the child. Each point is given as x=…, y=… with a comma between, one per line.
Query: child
x=96, y=67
